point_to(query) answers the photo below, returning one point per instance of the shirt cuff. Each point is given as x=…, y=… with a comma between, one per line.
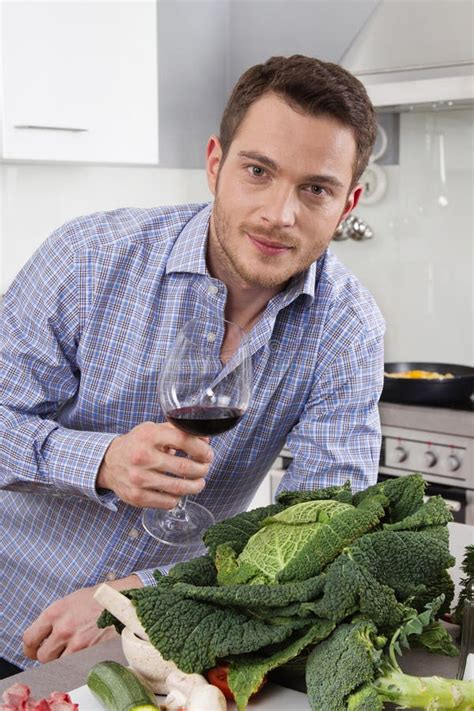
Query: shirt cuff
x=69, y=461
x=146, y=576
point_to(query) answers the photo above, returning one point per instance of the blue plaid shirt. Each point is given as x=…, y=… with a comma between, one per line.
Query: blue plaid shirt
x=85, y=328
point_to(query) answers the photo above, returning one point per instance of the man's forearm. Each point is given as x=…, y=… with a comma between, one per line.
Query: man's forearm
x=132, y=581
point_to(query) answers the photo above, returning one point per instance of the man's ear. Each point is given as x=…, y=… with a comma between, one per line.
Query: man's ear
x=352, y=201
x=213, y=161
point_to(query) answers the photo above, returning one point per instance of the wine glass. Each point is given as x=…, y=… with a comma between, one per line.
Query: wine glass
x=204, y=390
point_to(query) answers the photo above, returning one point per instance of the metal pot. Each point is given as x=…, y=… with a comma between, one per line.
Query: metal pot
x=451, y=392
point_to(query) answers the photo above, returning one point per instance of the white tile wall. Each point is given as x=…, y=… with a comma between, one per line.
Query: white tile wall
x=36, y=199
x=419, y=265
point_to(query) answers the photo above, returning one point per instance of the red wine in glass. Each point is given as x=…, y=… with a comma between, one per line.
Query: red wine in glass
x=204, y=391
x=204, y=420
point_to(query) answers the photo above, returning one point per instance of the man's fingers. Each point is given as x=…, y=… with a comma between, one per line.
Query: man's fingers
x=151, y=499
x=137, y=465
x=173, y=486
x=79, y=641
x=50, y=649
x=196, y=447
x=182, y=467
x=34, y=636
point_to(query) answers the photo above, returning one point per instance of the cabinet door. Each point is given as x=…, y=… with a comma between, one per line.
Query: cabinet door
x=80, y=81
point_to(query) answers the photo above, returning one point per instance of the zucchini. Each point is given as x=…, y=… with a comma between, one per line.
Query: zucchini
x=119, y=689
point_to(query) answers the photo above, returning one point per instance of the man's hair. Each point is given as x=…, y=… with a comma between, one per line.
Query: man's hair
x=309, y=85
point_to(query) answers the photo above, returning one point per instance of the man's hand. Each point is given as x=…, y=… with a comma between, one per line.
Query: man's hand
x=69, y=625
x=136, y=466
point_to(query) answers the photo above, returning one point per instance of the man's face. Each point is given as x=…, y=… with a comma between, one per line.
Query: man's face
x=280, y=193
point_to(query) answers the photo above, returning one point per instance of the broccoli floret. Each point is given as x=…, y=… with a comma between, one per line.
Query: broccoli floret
x=356, y=670
x=365, y=699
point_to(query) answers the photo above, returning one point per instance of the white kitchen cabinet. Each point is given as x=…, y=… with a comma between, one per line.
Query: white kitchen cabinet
x=79, y=81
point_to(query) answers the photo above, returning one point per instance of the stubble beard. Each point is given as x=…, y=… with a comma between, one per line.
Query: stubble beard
x=235, y=266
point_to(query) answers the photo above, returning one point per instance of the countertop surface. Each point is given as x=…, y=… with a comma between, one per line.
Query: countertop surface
x=70, y=672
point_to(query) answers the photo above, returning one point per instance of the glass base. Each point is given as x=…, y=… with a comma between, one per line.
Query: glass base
x=179, y=527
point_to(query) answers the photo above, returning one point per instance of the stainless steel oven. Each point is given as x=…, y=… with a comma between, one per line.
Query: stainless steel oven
x=438, y=442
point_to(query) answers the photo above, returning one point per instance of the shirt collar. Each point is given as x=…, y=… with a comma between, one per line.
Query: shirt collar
x=189, y=250
x=303, y=284
x=189, y=255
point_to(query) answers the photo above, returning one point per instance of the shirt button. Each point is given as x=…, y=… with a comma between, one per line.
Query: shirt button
x=133, y=533
x=213, y=290
x=110, y=576
x=211, y=337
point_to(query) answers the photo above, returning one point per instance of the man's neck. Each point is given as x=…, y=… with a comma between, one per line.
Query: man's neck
x=245, y=302
x=245, y=306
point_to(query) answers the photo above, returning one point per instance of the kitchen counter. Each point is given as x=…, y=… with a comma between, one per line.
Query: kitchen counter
x=71, y=671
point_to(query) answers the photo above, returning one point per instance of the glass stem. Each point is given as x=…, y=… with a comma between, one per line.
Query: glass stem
x=179, y=512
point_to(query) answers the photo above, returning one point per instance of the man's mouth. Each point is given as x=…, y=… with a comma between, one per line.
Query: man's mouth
x=268, y=247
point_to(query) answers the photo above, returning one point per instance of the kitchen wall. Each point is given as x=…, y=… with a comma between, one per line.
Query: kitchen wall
x=37, y=199
x=419, y=265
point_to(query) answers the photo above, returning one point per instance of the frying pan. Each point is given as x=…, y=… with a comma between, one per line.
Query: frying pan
x=452, y=392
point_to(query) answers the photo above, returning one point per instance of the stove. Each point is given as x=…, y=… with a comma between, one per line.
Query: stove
x=438, y=442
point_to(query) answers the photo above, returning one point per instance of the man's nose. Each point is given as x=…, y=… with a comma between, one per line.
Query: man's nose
x=280, y=206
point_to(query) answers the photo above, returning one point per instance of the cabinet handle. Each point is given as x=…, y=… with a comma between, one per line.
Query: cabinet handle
x=52, y=128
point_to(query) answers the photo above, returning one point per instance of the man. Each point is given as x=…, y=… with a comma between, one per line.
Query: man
x=88, y=321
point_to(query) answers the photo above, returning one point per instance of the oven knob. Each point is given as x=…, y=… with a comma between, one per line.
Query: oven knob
x=453, y=462
x=430, y=458
x=400, y=454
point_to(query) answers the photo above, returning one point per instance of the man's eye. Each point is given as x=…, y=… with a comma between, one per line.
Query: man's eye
x=317, y=190
x=256, y=171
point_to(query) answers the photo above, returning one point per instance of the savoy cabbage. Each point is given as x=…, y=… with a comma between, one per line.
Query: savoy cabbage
x=280, y=580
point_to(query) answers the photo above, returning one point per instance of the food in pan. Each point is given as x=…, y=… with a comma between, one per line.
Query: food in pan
x=420, y=375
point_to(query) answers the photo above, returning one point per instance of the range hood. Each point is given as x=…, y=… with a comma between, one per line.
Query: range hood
x=435, y=94
x=416, y=55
